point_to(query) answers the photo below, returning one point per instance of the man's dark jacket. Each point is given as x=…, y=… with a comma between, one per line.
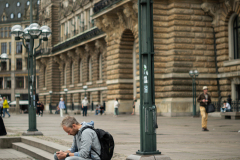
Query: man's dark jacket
x=201, y=97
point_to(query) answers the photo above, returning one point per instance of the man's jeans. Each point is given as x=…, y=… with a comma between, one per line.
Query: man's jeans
x=225, y=110
x=5, y=110
x=70, y=158
x=84, y=110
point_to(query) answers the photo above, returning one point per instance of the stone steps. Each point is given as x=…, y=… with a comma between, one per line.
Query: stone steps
x=34, y=147
x=32, y=151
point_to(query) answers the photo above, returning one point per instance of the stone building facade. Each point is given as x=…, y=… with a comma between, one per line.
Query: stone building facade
x=188, y=35
x=14, y=72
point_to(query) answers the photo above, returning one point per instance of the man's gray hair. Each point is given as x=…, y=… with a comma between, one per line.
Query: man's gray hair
x=69, y=121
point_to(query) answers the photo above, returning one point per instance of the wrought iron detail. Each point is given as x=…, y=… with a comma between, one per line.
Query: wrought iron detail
x=93, y=33
x=103, y=4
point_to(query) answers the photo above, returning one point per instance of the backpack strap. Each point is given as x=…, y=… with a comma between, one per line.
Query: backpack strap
x=91, y=146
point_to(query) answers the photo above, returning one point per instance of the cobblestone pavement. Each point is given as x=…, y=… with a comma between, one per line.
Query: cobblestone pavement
x=177, y=137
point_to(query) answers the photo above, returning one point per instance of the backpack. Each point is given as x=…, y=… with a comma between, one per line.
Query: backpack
x=106, y=142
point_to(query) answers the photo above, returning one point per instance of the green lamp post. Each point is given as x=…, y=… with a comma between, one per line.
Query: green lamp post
x=28, y=35
x=50, y=105
x=194, y=75
x=66, y=90
x=148, y=123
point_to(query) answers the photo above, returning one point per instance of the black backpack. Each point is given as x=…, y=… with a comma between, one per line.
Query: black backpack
x=106, y=142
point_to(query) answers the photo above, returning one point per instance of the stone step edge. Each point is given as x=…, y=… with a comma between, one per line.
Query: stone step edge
x=32, y=151
x=47, y=146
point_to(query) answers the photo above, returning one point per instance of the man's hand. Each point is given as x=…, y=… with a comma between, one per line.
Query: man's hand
x=204, y=100
x=61, y=155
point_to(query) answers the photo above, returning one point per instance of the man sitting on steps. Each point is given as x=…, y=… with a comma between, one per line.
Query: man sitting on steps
x=85, y=142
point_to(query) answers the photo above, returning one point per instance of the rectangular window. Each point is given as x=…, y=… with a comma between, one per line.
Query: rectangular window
x=1, y=83
x=7, y=82
x=26, y=82
x=10, y=47
x=19, y=47
x=9, y=31
x=9, y=60
x=3, y=66
x=6, y=32
x=4, y=47
x=19, y=82
x=19, y=64
x=2, y=33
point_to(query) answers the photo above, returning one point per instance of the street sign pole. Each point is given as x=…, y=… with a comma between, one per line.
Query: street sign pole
x=148, y=124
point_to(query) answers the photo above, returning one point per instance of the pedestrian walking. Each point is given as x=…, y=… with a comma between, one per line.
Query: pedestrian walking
x=134, y=102
x=5, y=107
x=38, y=108
x=116, y=106
x=1, y=106
x=85, y=106
x=62, y=106
x=204, y=99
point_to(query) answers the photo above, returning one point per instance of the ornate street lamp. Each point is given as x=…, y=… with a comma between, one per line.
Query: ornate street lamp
x=27, y=35
x=66, y=90
x=3, y=58
x=85, y=88
x=50, y=105
x=194, y=74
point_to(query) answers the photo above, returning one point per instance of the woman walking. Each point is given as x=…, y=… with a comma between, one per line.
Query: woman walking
x=5, y=107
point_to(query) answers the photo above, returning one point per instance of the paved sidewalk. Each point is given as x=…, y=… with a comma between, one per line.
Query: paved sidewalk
x=177, y=137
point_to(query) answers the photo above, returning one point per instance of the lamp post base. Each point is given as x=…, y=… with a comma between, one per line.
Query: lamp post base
x=32, y=133
x=148, y=157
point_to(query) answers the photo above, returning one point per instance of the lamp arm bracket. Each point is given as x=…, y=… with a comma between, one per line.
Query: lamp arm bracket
x=24, y=43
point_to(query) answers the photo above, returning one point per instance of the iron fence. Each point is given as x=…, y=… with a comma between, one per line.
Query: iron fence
x=235, y=106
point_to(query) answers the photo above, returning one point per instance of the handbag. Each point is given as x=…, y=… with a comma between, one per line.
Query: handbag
x=210, y=108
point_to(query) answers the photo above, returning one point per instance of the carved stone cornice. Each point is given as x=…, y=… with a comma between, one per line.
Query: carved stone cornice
x=129, y=11
x=213, y=10
x=110, y=22
x=100, y=47
x=57, y=59
x=63, y=57
x=44, y=61
x=89, y=48
x=71, y=54
x=79, y=51
x=98, y=22
x=38, y=63
x=121, y=19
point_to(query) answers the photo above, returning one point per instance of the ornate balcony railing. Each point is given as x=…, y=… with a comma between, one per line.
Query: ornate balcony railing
x=78, y=39
x=103, y=4
x=44, y=51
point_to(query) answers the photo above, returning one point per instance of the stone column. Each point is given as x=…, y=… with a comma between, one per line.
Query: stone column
x=17, y=110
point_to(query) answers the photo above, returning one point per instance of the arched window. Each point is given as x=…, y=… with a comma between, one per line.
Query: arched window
x=236, y=37
x=90, y=69
x=80, y=70
x=72, y=73
x=100, y=66
x=45, y=77
x=19, y=15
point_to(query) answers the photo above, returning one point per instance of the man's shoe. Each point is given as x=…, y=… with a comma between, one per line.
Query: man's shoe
x=9, y=116
x=205, y=129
